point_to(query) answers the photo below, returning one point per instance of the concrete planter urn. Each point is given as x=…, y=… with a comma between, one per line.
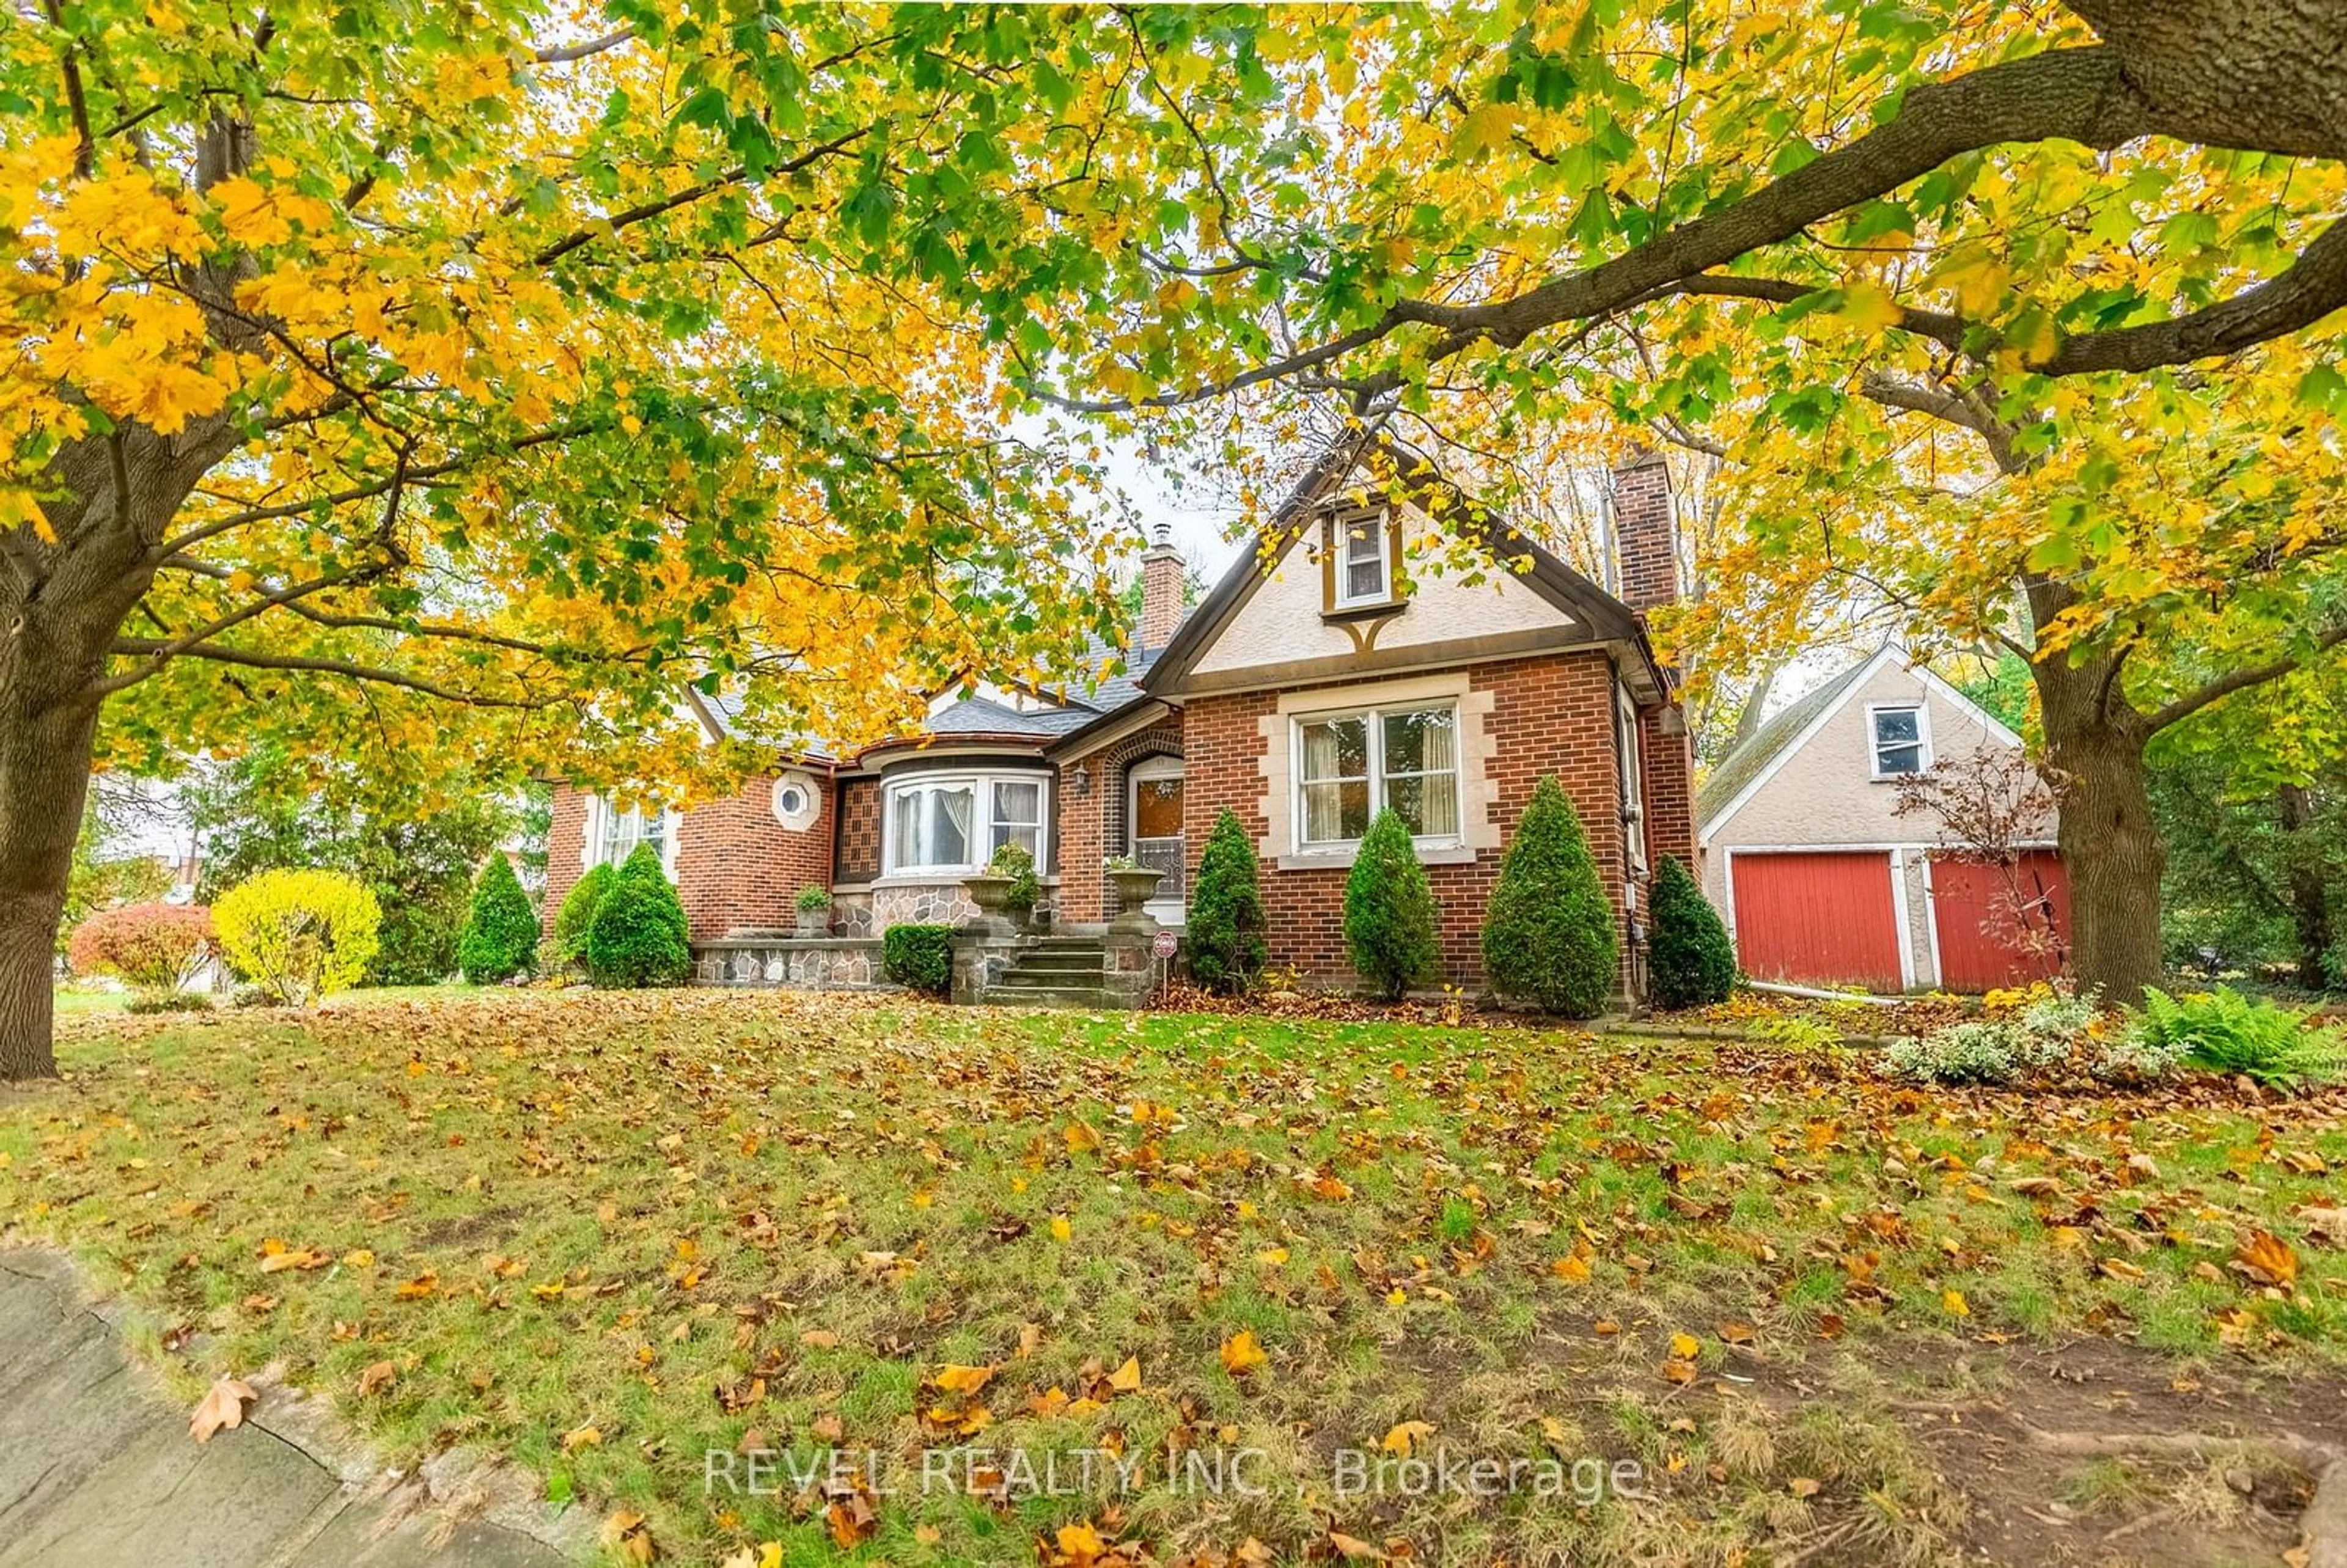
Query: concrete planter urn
x=814, y=922
x=1135, y=886
x=991, y=894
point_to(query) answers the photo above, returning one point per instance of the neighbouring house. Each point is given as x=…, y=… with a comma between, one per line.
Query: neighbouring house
x=1338, y=668
x=1823, y=881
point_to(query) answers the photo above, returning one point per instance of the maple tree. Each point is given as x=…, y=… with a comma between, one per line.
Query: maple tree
x=2013, y=318
x=448, y=386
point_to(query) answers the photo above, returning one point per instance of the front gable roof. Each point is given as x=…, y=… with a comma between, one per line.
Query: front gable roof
x=1740, y=774
x=1599, y=616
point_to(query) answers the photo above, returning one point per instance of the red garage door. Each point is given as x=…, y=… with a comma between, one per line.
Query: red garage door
x=1822, y=918
x=2000, y=927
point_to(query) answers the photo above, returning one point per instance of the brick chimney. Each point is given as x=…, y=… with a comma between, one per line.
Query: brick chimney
x=1646, y=534
x=1163, y=574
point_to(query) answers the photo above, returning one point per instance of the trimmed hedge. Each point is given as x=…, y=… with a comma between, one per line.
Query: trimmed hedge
x=500, y=935
x=1390, y=912
x=1548, y=934
x=1226, y=920
x=639, y=937
x=1690, y=962
x=577, y=912
x=920, y=957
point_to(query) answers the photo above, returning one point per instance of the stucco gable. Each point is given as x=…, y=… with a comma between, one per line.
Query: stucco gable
x=1808, y=777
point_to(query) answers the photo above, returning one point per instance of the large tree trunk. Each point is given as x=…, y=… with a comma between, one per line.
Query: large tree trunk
x=45, y=756
x=2111, y=848
x=2309, y=892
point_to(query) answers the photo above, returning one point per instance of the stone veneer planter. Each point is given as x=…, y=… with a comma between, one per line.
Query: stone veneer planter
x=817, y=963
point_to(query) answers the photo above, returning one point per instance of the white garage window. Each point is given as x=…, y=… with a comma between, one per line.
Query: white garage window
x=1902, y=740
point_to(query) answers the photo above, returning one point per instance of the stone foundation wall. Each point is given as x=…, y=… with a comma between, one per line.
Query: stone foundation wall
x=822, y=963
x=921, y=903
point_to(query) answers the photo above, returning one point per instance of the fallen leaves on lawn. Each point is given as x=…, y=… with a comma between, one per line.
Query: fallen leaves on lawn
x=1242, y=1353
x=379, y=1376
x=629, y=1534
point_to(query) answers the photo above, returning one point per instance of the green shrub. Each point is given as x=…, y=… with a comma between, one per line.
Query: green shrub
x=1226, y=921
x=501, y=937
x=1690, y=962
x=576, y=913
x=299, y=935
x=1389, y=911
x=171, y=1001
x=1548, y=935
x=639, y=937
x=920, y=957
x=812, y=900
x=2224, y=1031
x=1012, y=860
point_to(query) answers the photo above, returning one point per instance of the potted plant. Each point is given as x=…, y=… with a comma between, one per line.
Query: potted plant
x=1135, y=884
x=1013, y=861
x=814, y=905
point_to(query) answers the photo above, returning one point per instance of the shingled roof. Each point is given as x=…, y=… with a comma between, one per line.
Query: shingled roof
x=1738, y=768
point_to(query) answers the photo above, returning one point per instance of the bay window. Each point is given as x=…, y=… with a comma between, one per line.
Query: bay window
x=1350, y=766
x=952, y=825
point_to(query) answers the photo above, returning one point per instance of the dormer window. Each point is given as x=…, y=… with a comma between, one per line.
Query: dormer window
x=1361, y=549
x=1902, y=742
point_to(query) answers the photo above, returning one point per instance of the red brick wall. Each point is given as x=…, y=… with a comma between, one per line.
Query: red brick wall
x=736, y=866
x=1669, y=790
x=858, y=830
x=1093, y=828
x=1550, y=714
x=562, y=842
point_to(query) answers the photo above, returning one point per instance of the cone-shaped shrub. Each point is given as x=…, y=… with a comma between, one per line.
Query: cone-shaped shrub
x=501, y=934
x=1690, y=962
x=1226, y=923
x=576, y=915
x=639, y=935
x=1548, y=935
x=1390, y=912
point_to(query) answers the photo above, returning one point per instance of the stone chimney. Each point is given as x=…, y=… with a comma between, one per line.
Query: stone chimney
x=1645, y=534
x=1162, y=576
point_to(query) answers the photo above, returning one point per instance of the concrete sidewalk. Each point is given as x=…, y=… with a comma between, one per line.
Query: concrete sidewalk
x=98, y=1470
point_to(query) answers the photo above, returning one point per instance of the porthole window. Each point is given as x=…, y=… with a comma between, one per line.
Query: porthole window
x=797, y=801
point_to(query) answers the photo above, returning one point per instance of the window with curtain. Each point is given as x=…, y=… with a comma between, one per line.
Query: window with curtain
x=1350, y=766
x=952, y=825
x=623, y=830
x=1364, y=575
x=1018, y=817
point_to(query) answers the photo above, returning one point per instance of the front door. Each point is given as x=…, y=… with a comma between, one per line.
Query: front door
x=1154, y=825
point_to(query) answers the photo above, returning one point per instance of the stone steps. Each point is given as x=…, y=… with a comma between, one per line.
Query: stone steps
x=1058, y=971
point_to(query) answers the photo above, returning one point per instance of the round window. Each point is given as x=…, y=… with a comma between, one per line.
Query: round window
x=796, y=801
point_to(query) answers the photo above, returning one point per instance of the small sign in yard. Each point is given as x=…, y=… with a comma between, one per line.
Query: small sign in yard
x=1162, y=944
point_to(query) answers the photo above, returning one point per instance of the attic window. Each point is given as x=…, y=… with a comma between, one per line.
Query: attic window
x=1361, y=547
x=1901, y=745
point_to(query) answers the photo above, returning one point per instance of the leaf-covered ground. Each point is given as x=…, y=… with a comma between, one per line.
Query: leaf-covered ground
x=978, y=1255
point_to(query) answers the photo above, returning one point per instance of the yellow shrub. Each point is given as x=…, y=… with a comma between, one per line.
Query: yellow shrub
x=298, y=934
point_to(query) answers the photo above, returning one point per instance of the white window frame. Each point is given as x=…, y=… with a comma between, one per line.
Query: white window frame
x=1630, y=762
x=1922, y=742
x=982, y=822
x=1341, y=545
x=1374, y=717
x=597, y=831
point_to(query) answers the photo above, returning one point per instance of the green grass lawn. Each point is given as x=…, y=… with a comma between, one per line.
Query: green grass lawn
x=625, y=1238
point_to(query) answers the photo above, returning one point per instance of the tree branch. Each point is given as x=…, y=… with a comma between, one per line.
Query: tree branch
x=288, y=661
x=2240, y=681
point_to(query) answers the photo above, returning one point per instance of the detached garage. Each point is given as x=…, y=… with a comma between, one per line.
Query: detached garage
x=1822, y=881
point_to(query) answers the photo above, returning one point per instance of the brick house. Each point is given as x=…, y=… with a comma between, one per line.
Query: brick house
x=1337, y=669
